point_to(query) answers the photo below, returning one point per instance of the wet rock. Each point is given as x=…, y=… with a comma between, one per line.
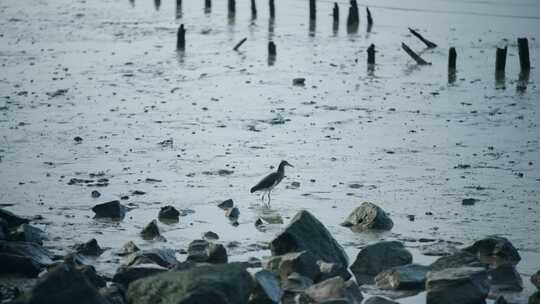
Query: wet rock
x=412, y=276
x=78, y=139
x=441, y=248
x=303, y=263
x=24, y=258
x=151, y=231
x=306, y=233
x=4, y=230
x=501, y=300
x=12, y=219
x=368, y=216
x=126, y=274
x=216, y=284
x=115, y=294
x=535, y=279
x=76, y=259
x=59, y=92
x=379, y=300
x=95, y=194
x=112, y=209
x=299, y=81
x=458, y=259
x=227, y=204
x=375, y=258
x=128, y=249
x=335, y=288
x=496, y=247
x=90, y=248
x=233, y=214
x=267, y=289
x=27, y=233
x=464, y=285
x=330, y=270
x=505, y=278
x=168, y=213
x=210, y=235
x=535, y=298
x=468, y=201
x=62, y=285
x=162, y=257
x=91, y=275
x=296, y=282
x=202, y=251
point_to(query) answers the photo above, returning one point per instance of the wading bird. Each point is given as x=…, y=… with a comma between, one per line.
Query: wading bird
x=271, y=180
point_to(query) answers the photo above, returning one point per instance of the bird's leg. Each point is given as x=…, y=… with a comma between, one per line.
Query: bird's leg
x=262, y=197
x=269, y=199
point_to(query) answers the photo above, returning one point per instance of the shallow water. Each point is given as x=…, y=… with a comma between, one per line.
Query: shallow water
x=401, y=137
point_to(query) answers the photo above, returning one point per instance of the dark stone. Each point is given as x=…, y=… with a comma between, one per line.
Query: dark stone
x=169, y=213
x=535, y=298
x=27, y=233
x=535, y=279
x=406, y=277
x=233, y=214
x=202, y=251
x=112, y=209
x=464, y=285
x=227, y=204
x=24, y=258
x=368, y=216
x=335, y=288
x=62, y=285
x=4, y=229
x=151, y=231
x=495, y=247
x=95, y=194
x=126, y=274
x=216, y=284
x=505, y=278
x=211, y=236
x=299, y=81
x=90, y=248
x=128, y=249
x=375, y=258
x=115, y=294
x=441, y=248
x=306, y=233
x=330, y=270
x=267, y=289
x=162, y=257
x=303, y=263
x=468, y=201
x=91, y=275
x=501, y=300
x=295, y=283
x=379, y=300
x=458, y=259
x=11, y=219
x=78, y=139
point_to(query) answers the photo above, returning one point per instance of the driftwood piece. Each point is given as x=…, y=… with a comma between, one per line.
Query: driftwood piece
x=239, y=44
x=414, y=56
x=428, y=43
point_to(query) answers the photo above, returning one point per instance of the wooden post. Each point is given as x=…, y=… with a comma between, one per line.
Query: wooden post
x=272, y=9
x=452, y=56
x=181, y=38
x=413, y=55
x=312, y=10
x=500, y=60
x=428, y=43
x=371, y=54
x=207, y=5
x=369, y=18
x=178, y=9
x=232, y=7
x=353, y=19
x=524, y=61
x=157, y=4
x=271, y=48
x=335, y=13
x=239, y=44
x=253, y=9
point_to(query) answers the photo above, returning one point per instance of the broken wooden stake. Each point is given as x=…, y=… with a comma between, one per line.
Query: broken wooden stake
x=369, y=18
x=253, y=9
x=500, y=60
x=232, y=7
x=181, y=38
x=452, y=56
x=371, y=54
x=271, y=48
x=524, y=61
x=207, y=5
x=272, y=9
x=312, y=10
x=353, y=19
x=414, y=56
x=424, y=40
x=239, y=44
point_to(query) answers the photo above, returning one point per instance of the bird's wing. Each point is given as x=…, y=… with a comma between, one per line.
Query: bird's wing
x=266, y=182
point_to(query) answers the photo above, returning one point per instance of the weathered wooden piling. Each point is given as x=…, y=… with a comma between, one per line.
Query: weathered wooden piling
x=207, y=5
x=452, y=56
x=157, y=4
x=178, y=9
x=335, y=13
x=371, y=54
x=428, y=43
x=181, y=38
x=353, y=19
x=272, y=49
x=413, y=55
x=231, y=7
x=369, y=18
x=272, y=8
x=253, y=9
x=239, y=44
x=500, y=60
x=523, y=47
x=312, y=10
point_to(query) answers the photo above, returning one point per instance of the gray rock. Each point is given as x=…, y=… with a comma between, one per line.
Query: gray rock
x=406, y=277
x=126, y=274
x=169, y=213
x=233, y=214
x=4, y=230
x=375, y=258
x=267, y=289
x=441, y=248
x=535, y=298
x=128, y=249
x=91, y=275
x=162, y=257
x=211, y=236
x=300, y=81
x=330, y=270
x=227, y=204
x=368, y=216
x=296, y=282
x=62, y=285
x=202, y=251
x=151, y=231
x=458, y=259
x=379, y=300
x=24, y=258
x=27, y=233
x=90, y=248
x=216, y=284
x=464, y=285
x=495, y=247
x=12, y=219
x=505, y=278
x=112, y=210
x=535, y=279
x=335, y=288
x=115, y=294
x=303, y=263
x=501, y=300
x=306, y=233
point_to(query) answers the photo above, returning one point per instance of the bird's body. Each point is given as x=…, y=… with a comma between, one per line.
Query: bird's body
x=271, y=180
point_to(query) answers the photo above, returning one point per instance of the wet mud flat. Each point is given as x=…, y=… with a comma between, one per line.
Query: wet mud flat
x=95, y=97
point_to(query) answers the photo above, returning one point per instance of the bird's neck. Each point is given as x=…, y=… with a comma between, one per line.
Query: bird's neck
x=281, y=169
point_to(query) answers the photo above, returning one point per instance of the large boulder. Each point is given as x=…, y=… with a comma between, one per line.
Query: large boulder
x=535, y=279
x=505, y=278
x=375, y=258
x=112, y=210
x=333, y=289
x=27, y=233
x=168, y=214
x=368, y=216
x=535, y=298
x=458, y=259
x=495, y=247
x=23, y=258
x=306, y=233
x=115, y=294
x=202, y=251
x=126, y=274
x=12, y=219
x=303, y=263
x=216, y=284
x=412, y=276
x=90, y=248
x=151, y=231
x=440, y=248
x=162, y=257
x=62, y=285
x=267, y=289
x=464, y=285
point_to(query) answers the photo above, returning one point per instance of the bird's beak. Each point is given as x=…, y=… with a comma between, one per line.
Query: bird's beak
x=290, y=165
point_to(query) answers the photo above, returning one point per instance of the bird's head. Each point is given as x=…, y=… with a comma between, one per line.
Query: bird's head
x=284, y=163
